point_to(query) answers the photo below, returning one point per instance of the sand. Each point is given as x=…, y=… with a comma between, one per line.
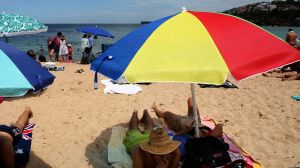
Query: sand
x=73, y=121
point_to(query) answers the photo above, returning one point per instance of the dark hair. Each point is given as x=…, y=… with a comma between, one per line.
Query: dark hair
x=59, y=34
x=85, y=36
x=89, y=35
x=31, y=54
x=87, y=49
x=291, y=30
x=42, y=58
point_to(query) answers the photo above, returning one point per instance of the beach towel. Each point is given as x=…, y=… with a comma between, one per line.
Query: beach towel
x=117, y=155
x=111, y=88
x=1, y=99
x=119, y=158
x=235, y=151
x=22, y=149
x=294, y=97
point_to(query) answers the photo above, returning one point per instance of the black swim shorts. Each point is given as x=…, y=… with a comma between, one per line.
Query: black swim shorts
x=13, y=131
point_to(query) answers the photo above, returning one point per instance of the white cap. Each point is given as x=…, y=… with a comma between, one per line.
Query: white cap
x=183, y=9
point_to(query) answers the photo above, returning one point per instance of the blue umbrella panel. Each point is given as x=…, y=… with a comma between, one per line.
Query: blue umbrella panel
x=20, y=73
x=97, y=31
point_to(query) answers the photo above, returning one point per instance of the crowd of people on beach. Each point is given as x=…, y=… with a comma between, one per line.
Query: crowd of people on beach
x=59, y=47
x=60, y=50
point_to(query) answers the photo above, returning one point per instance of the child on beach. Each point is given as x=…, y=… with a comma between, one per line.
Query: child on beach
x=70, y=52
x=63, y=50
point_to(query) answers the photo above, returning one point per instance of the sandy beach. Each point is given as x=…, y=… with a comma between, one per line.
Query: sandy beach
x=73, y=121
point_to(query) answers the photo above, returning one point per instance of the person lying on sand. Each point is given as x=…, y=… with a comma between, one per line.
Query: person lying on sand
x=9, y=136
x=291, y=77
x=185, y=124
x=288, y=72
x=151, y=148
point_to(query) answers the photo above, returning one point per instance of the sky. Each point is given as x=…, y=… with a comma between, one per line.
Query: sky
x=110, y=11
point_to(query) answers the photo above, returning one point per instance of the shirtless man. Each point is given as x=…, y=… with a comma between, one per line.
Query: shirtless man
x=9, y=136
x=151, y=148
x=291, y=38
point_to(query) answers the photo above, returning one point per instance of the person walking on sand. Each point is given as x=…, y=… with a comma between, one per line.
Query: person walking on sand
x=151, y=148
x=63, y=50
x=9, y=136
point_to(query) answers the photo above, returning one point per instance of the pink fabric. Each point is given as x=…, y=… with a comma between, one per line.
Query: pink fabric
x=1, y=99
x=233, y=147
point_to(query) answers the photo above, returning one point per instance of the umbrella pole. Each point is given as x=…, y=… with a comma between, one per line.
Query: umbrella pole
x=195, y=111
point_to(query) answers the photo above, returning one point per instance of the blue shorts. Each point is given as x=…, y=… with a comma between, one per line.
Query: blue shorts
x=13, y=131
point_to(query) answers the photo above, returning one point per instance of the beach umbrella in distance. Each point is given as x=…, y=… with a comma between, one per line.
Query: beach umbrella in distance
x=95, y=30
x=14, y=24
x=19, y=73
x=194, y=47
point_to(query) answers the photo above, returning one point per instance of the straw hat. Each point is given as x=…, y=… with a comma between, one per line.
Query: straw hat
x=159, y=142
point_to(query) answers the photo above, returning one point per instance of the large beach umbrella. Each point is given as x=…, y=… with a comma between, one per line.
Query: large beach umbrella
x=194, y=47
x=97, y=31
x=13, y=24
x=20, y=73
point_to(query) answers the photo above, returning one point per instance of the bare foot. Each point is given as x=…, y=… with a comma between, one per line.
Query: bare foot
x=284, y=79
x=266, y=74
x=218, y=131
x=28, y=110
x=153, y=107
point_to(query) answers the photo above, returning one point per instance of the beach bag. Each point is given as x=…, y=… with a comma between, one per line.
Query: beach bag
x=206, y=152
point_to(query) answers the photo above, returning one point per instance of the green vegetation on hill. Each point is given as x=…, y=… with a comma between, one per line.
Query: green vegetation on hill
x=279, y=13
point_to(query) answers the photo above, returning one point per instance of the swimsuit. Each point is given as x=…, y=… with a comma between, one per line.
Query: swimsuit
x=13, y=131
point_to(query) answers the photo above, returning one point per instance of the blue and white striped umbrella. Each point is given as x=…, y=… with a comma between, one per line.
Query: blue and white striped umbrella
x=13, y=24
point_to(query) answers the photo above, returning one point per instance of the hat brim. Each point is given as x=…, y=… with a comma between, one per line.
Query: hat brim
x=160, y=150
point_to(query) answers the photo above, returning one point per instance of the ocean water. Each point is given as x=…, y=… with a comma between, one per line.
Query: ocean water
x=36, y=41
